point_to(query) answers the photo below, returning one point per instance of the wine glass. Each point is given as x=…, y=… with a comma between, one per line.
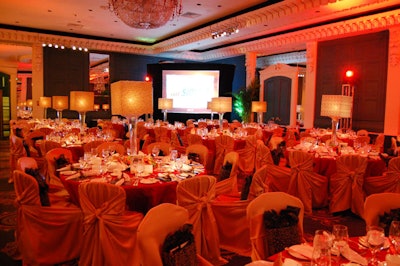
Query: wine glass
x=340, y=235
x=394, y=235
x=139, y=168
x=155, y=151
x=375, y=240
x=178, y=165
x=322, y=244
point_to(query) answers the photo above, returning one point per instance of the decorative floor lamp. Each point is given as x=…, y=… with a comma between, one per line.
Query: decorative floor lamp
x=336, y=107
x=165, y=104
x=259, y=107
x=82, y=101
x=45, y=102
x=132, y=99
x=221, y=105
x=60, y=103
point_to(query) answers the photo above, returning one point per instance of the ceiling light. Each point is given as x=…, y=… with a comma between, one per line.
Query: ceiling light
x=146, y=14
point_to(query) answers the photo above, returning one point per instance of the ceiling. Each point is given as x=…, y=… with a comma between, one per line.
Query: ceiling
x=189, y=31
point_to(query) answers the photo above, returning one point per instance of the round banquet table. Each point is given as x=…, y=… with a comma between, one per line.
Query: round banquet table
x=335, y=261
x=140, y=197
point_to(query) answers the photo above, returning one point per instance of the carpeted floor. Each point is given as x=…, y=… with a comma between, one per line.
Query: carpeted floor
x=320, y=219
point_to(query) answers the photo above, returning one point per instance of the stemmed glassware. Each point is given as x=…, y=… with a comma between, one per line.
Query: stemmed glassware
x=394, y=235
x=375, y=240
x=322, y=244
x=340, y=235
x=139, y=168
x=178, y=165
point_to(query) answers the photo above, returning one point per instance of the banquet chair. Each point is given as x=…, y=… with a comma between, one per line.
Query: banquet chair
x=176, y=142
x=247, y=156
x=259, y=183
x=263, y=155
x=46, y=130
x=51, y=163
x=223, y=145
x=162, y=134
x=151, y=233
x=114, y=146
x=379, y=143
x=194, y=139
x=310, y=187
x=46, y=145
x=377, y=204
x=44, y=235
x=388, y=182
x=17, y=151
x=200, y=150
x=26, y=162
x=30, y=139
x=251, y=130
x=362, y=132
x=109, y=236
x=91, y=145
x=195, y=194
x=229, y=186
x=346, y=185
x=163, y=146
x=202, y=124
x=255, y=214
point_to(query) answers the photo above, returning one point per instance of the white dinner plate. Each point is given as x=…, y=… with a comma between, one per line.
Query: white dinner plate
x=363, y=241
x=303, y=252
x=68, y=172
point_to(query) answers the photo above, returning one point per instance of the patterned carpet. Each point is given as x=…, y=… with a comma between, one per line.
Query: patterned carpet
x=320, y=219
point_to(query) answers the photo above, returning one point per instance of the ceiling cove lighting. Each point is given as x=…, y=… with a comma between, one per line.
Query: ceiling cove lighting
x=60, y=46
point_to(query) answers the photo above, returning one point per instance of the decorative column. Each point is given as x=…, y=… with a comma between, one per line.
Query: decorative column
x=310, y=88
x=37, y=79
x=251, y=65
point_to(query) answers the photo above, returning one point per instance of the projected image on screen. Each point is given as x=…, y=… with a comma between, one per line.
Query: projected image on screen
x=190, y=89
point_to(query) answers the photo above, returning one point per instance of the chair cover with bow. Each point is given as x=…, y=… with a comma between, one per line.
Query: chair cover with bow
x=305, y=184
x=195, y=194
x=17, y=151
x=259, y=183
x=44, y=235
x=88, y=147
x=51, y=157
x=388, y=182
x=233, y=230
x=377, y=204
x=247, y=155
x=263, y=155
x=47, y=145
x=109, y=236
x=194, y=139
x=278, y=177
x=346, y=185
x=151, y=233
x=229, y=186
x=114, y=146
x=201, y=150
x=255, y=212
x=223, y=145
x=162, y=134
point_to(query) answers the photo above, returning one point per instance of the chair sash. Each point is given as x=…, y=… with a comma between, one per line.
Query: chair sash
x=346, y=186
x=308, y=186
x=263, y=155
x=195, y=194
x=223, y=145
x=247, y=155
x=109, y=232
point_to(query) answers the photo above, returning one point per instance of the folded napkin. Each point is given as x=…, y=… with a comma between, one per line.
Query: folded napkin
x=353, y=256
x=74, y=176
x=65, y=168
x=120, y=182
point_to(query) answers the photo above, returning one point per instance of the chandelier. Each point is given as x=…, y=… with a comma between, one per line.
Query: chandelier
x=146, y=14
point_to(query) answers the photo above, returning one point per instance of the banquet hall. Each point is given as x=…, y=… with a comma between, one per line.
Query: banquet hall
x=241, y=100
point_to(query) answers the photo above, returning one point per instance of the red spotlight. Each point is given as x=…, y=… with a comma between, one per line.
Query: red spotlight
x=147, y=78
x=349, y=73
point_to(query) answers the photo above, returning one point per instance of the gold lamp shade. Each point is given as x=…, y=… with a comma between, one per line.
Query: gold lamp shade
x=258, y=106
x=29, y=102
x=165, y=103
x=105, y=107
x=131, y=98
x=82, y=101
x=336, y=106
x=96, y=107
x=221, y=104
x=45, y=102
x=60, y=102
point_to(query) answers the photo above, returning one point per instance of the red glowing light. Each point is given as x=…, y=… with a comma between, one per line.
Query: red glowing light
x=349, y=73
x=147, y=78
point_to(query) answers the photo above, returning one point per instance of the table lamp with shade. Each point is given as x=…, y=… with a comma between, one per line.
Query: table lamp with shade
x=165, y=104
x=82, y=101
x=259, y=107
x=45, y=102
x=105, y=107
x=59, y=103
x=132, y=99
x=209, y=106
x=336, y=107
x=221, y=105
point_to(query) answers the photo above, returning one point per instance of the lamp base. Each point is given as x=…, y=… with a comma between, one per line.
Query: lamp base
x=335, y=124
x=133, y=135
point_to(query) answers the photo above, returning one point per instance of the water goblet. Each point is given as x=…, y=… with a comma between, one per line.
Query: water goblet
x=322, y=244
x=340, y=235
x=178, y=165
x=375, y=240
x=139, y=168
x=394, y=235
